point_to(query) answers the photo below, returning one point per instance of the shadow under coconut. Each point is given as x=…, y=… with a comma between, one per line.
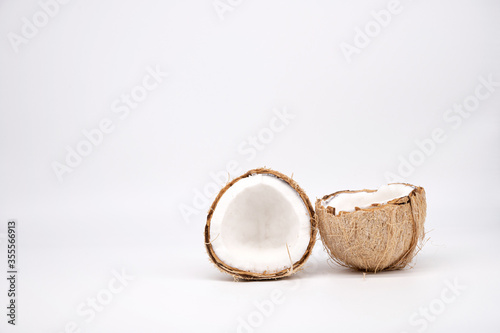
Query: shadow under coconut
x=318, y=265
x=202, y=273
x=221, y=277
x=323, y=268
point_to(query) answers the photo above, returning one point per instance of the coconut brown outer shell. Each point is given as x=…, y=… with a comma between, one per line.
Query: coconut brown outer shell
x=382, y=237
x=246, y=275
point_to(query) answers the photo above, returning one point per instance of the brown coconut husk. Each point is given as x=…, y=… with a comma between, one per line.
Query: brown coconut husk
x=245, y=275
x=381, y=237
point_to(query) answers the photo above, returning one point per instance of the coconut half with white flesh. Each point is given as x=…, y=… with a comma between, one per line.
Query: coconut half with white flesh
x=260, y=226
x=373, y=230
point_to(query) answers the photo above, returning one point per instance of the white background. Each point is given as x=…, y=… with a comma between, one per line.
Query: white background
x=354, y=120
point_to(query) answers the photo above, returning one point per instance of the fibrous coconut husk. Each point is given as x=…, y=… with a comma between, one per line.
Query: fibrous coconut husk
x=246, y=275
x=381, y=237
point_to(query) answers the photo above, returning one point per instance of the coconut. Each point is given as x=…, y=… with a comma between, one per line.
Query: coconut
x=260, y=226
x=373, y=230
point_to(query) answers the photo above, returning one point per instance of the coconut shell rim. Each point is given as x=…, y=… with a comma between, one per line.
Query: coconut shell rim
x=397, y=201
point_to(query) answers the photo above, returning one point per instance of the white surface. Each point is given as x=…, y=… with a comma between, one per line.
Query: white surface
x=260, y=224
x=347, y=202
x=266, y=86
x=186, y=293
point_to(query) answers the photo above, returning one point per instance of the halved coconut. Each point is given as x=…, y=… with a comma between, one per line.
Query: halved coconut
x=260, y=226
x=373, y=230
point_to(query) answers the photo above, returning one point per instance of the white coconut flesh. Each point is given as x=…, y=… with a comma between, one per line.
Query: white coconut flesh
x=260, y=224
x=348, y=201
